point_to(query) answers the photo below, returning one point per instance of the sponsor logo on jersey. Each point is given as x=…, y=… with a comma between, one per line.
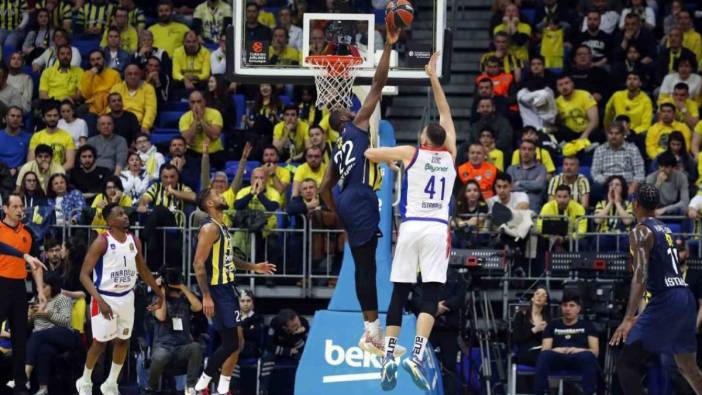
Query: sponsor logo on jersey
x=112, y=246
x=131, y=247
x=431, y=168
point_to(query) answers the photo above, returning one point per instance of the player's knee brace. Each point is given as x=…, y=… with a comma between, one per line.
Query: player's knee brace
x=400, y=291
x=431, y=292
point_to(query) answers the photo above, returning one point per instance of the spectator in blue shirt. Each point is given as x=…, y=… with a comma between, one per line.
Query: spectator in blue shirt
x=14, y=141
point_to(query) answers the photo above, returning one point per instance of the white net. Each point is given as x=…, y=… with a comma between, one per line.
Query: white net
x=334, y=76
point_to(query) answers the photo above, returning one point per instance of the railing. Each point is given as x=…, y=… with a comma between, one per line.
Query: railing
x=308, y=258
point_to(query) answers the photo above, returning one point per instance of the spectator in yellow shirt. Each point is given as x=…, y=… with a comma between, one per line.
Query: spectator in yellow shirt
x=657, y=135
x=686, y=109
x=138, y=97
x=60, y=141
x=96, y=82
x=259, y=197
x=313, y=168
x=61, y=80
x=191, y=64
x=279, y=52
x=494, y=155
x=128, y=34
x=264, y=17
x=519, y=32
x=631, y=102
x=691, y=39
x=199, y=124
x=210, y=18
x=112, y=192
x=168, y=35
x=290, y=134
x=278, y=177
x=577, y=112
x=543, y=156
x=563, y=206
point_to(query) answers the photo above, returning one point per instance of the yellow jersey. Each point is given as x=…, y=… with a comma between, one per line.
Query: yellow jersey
x=211, y=116
x=60, y=141
x=639, y=109
x=573, y=111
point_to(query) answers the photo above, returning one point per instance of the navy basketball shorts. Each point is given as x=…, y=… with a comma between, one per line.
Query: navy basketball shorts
x=667, y=324
x=226, y=305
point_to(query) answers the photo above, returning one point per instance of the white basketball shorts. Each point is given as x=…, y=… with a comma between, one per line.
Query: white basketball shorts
x=120, y=326
x=423, y=245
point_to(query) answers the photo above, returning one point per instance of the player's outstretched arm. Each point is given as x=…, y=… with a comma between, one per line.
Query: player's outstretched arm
x=146, y=275
x=641, y=242
x=403, y=153
x=445, y=118
x=379, y=80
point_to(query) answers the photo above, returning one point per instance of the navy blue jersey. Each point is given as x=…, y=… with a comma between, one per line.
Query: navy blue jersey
x=663, y=267
x=350, y=162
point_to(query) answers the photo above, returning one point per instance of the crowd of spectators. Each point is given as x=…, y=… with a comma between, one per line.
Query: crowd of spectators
x=117, y=101
x=588, y=99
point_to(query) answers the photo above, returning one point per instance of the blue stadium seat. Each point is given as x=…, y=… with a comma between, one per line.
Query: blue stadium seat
x=163, y=135
x=530, y=15
x=169, y=119
x=231, y=166
x=585, y=170
x=240, y=108
x=211, y=46
x=285, y=99
x=181, y=106
x=85, y=45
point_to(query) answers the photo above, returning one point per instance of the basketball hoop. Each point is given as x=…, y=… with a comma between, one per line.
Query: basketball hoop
x=333, y=77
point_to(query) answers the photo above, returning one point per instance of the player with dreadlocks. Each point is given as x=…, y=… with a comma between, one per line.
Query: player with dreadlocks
x=667, y=324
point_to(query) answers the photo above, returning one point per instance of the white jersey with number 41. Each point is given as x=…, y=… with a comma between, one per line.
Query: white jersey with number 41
x=427, y=186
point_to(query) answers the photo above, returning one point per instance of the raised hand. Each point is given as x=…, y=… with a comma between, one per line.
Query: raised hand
x=430, y=68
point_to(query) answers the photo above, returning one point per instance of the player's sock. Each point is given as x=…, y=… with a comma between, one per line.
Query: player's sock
x=203, y=382
x=374, y=328
x=223, y=386
x=390, y=342
x=87, y=374
x=420, y=345
x=114, y=372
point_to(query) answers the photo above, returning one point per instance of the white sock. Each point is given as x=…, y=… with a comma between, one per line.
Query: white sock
x=87, y=374
x=390, y=343
x=374, y=328
x=202, y=382
x=223, y=386
x=114, y=373
x=420, y=345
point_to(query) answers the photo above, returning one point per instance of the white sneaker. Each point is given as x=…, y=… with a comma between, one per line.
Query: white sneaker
x=108, y=388
x=11, y=384
x=84, y=387
x=190, y=391
x=376, y=345
x=373, y=345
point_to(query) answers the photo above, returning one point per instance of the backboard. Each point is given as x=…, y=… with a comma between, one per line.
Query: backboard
x=251, y=59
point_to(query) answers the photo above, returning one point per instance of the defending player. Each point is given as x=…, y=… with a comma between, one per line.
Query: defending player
x=114, y=259
x=667, y=323
x=215, y=265
x=424, y=238
x=357, y=204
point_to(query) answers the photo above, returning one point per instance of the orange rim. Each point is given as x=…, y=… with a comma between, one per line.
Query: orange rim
x=335, y=65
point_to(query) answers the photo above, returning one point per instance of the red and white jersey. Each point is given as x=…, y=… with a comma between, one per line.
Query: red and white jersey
x=115, y=274
x=427, y=186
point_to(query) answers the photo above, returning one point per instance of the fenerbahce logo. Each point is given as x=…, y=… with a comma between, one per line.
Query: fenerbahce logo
x=363, y=365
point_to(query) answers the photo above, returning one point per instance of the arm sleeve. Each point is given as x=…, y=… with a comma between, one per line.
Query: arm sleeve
x=122, y=152
x=596, y=169
x=241, y=203
x=6, y=249
x=296, y=206
x=639, y=171
x=270, y=205
x=537, y=184
x=205, y=71
x=177, y=66
x=646, y=118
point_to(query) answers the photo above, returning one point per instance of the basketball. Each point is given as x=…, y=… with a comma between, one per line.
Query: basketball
x=399, y=14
